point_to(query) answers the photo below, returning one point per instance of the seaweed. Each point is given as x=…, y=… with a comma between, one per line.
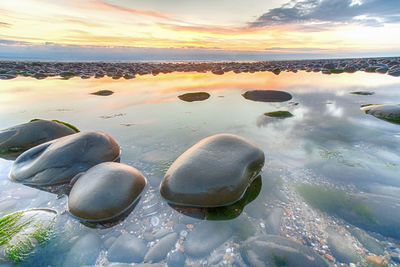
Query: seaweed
x=336, y=202
x=280, y=261
x=62, y=122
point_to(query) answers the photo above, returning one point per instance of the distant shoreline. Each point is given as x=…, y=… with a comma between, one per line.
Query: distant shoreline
x=129, y=70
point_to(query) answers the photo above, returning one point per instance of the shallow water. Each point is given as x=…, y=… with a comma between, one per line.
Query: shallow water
x=329, y=141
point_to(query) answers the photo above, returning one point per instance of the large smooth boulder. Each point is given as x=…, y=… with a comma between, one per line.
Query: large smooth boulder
x=58, y=161
x=214, y=172
x=19, y=138
x=22, y=231
x=267, y=96
x=390, y=113
x=105, y=191
x=273, y=250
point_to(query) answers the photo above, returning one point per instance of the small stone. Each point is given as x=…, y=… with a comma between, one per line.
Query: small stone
x=103, y=93
x=160, y=250
x=176, y=259
x=84, y=252
x=191, y=97
x=267, y=96
x=127, y=248
x=329, y=257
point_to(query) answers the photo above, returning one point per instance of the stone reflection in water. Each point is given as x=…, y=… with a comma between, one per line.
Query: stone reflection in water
x=225, y=212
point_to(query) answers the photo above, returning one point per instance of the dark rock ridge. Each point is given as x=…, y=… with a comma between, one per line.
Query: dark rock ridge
x=19, y=138
x=105, y=191
x=58, y=161
x=86, y=70
x=191, y=97
x=214, y=172
x=267, y=96
x=390, y=113
x=273, y=250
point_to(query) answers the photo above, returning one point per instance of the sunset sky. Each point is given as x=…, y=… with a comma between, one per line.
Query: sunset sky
x=189, y=29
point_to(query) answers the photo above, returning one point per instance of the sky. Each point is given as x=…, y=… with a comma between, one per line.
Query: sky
x=198, y=30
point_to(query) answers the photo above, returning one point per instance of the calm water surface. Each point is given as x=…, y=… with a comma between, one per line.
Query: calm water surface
x=329, y=142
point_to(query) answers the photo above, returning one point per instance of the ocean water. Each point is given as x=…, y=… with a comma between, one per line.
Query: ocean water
x=329, y=168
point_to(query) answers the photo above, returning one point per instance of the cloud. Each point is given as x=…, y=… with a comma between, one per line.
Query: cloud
x=366, y=12
x=4, y=24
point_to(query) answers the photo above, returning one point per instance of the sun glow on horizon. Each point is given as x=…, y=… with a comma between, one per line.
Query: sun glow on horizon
x=105, y=24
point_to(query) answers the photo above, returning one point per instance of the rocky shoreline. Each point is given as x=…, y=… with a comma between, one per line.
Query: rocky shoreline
x=117, y=70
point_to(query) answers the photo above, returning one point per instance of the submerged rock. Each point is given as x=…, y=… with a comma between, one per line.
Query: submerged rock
x=190, y=97
x=370, y=212
x=127, y=248
x=103, y=93
x=105, y=191
x=19, y=138
x=58, y=161
x=205, y=237
x=390, y=113
x=22, y=231
x=176, y=259
x=267, y=96
x=84, y=252
x=342, y=247
x=273, y=250
x=160, y=250
x=215, y=172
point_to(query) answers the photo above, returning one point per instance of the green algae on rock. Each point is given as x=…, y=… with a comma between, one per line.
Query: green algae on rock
x=19, y=138
x=58, y=161
x=214, y=172
x=280, y=114
x=267, y=96
x=22, y=231
x=362, y=93
x=105, y=191
x=103, y=93
x=335, y=202
x=191, y=97
x=390, y=113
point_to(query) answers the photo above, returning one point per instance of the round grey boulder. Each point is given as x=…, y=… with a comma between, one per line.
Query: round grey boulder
x=58, y=161
x=389, y=113
x=214, y=172
x=105, y=191
x=19, y=138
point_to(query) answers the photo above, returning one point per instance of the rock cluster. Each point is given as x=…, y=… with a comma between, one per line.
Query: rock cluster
x=86, y=70
x=102, y=190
